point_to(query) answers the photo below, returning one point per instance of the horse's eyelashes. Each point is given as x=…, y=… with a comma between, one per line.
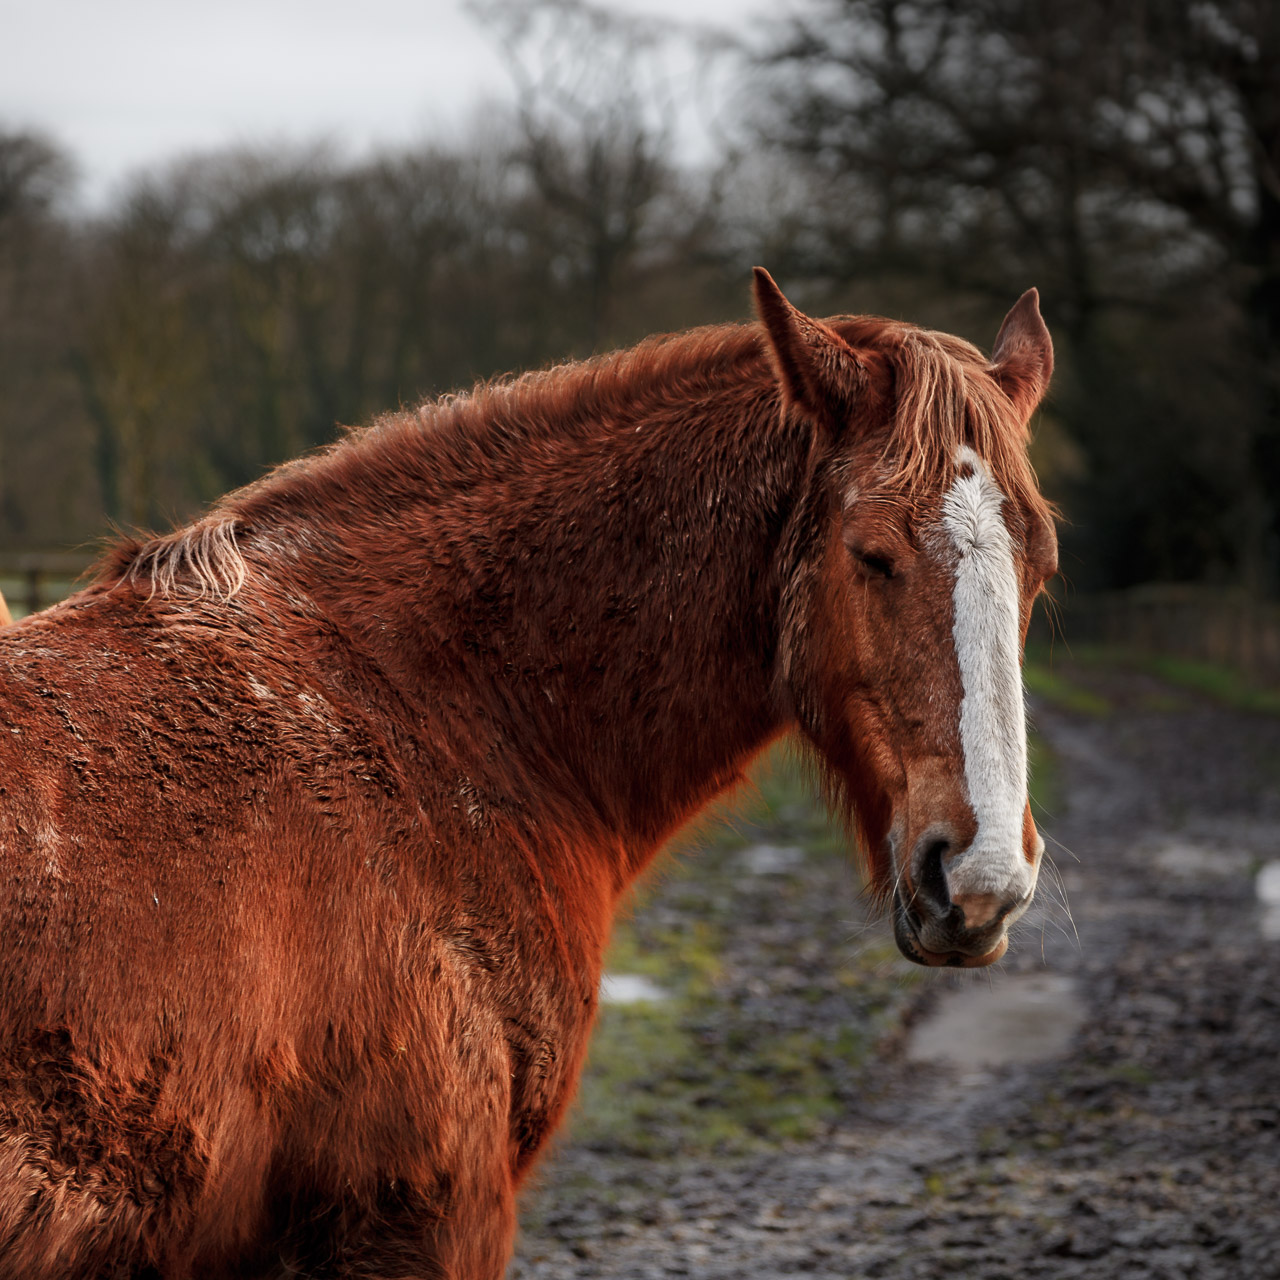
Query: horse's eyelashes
x=873, y=562
x=871, y=559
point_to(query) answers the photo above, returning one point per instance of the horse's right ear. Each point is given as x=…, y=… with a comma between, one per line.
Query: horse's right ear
x=1022, y=359
x=817, y=368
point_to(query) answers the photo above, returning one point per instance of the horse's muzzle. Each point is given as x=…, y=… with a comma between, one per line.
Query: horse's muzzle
x=961, y=947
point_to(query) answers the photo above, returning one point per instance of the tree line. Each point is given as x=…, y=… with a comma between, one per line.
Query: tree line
x=922, y=158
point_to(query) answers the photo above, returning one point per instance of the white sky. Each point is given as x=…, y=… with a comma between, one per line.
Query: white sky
x=125, y=83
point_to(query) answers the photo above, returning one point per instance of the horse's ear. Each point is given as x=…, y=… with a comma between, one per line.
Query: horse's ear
x=1022, y=359
x=817, y=368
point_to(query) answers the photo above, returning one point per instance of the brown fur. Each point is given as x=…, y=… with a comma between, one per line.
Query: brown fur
x=314, y=815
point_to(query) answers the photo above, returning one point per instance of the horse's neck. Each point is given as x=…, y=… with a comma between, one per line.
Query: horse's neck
x=595, y=630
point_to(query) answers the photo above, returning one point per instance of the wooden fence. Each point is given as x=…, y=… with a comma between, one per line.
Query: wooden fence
x=41, y=576
x=1200, y=623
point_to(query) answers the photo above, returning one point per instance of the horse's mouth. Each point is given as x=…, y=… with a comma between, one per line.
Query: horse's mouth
x=908, y=940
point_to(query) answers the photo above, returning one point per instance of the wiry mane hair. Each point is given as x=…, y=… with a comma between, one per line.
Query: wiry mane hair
x=944, y=399
x=202, y=557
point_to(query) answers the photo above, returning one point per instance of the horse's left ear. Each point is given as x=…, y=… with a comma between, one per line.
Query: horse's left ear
x=817, y=368
x=1022, y=359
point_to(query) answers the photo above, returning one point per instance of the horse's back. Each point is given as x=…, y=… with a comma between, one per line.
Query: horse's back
x=248, y=971
x=165, y=928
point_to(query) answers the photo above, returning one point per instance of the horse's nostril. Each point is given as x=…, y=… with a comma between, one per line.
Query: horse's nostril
x=931, y=879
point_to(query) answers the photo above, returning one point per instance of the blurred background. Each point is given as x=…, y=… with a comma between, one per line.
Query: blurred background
x=225, y=232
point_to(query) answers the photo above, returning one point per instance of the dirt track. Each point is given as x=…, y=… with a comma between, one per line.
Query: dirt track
x=1150, y=1147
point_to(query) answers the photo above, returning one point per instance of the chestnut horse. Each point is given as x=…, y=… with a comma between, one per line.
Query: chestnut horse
x=314, y=814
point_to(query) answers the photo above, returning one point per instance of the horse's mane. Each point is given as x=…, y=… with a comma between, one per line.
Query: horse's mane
x=944, y=400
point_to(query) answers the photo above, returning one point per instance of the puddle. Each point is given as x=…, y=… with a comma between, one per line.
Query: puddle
x=630, y=988
x=1014, y=1018
x=1183, y=858
x=772, y=859
x=1268, y=888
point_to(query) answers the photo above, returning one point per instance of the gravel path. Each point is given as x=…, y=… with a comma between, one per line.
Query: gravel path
x=1149, y=1146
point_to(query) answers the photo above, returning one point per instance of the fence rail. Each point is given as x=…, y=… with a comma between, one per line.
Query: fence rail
x=36, y=572
x=1200, y=623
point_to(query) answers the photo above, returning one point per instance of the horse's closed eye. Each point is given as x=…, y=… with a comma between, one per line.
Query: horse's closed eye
x=873, y=562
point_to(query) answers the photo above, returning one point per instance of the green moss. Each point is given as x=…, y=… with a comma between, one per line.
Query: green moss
x=685, y=956
x=656, y=1086
x=1133, y=1073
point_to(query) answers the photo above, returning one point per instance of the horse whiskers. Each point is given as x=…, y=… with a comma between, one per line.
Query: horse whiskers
x=864, y=934
x=1059, y=895
x=1062, y=846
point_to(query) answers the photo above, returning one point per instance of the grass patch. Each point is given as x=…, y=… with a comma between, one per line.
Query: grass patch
x=1055, y=688
x=662, y=1082
x=778, y=802
x=1044, y=778
x=1227, y=686
x=722, y=1066
x=684, y=956
x=1224, y=685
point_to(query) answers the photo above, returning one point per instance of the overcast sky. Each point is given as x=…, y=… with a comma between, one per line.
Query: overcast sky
x=125, y=83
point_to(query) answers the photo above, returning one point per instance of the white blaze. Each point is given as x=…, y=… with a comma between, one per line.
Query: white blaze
x=993, y=727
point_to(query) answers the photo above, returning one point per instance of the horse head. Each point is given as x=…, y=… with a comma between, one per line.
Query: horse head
x=912, y=564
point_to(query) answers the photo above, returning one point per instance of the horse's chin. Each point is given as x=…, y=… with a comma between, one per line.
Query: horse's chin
x=905, y=936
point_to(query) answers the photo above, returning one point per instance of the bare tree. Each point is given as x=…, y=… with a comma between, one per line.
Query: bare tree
x=596, y=118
